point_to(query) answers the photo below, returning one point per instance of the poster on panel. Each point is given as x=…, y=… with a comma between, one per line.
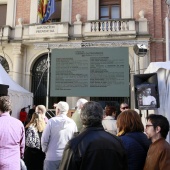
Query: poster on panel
x=97, y=72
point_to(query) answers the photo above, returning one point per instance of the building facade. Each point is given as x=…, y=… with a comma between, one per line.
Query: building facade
x=77, y=24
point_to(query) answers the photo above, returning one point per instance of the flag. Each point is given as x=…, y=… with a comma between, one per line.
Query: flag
x=42, y=7
x=51, y=7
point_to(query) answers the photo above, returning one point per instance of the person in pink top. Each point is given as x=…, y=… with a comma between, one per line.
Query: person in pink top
x=12, y=137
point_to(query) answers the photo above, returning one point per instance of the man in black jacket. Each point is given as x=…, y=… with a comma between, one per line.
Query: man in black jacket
x=93, y=148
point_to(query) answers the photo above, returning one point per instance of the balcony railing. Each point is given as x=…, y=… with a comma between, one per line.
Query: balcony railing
x=62, y=31
x=5, y=33
x=110, y=27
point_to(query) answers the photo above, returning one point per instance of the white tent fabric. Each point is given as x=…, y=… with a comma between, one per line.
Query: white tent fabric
x=19, y=96
x=163, y=71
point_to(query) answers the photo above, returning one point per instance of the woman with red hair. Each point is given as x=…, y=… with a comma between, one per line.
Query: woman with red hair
x=135, y=142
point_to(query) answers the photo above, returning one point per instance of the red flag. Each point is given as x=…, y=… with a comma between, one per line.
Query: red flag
x=42, y=7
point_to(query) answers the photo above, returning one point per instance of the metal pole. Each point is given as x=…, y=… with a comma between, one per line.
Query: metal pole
x=48, y=77
x=167, y=38
x=135, y=62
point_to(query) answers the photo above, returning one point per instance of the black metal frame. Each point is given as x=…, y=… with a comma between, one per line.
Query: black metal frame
x=4, y=63
x=39, y=83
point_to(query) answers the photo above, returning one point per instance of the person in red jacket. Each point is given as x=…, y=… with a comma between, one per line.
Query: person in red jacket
x=23, y=115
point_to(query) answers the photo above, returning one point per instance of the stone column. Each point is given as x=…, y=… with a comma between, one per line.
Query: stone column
x=92, y=10
x=27, y=82
x=66, y=8
x=127, y=8
x=33, y=11
x=17, y=63
x=11, y=9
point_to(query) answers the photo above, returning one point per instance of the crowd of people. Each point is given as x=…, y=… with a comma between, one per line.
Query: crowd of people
x=91, y=139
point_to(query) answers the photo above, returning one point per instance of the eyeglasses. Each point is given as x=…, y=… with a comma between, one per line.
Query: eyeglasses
x=125, y=108
x=148, y=126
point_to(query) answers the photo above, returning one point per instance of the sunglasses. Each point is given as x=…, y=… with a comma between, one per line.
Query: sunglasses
x=125, y=108
x=148, y=126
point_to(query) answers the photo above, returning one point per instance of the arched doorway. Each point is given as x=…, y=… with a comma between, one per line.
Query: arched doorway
x=4, y=64
x=39, y=83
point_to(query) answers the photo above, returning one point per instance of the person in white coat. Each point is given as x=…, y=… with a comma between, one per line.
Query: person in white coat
x=59, y=130
x=109, y=122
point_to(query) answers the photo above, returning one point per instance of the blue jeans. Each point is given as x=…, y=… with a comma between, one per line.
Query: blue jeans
x=51, y=165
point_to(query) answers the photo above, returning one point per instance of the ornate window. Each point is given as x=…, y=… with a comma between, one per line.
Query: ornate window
x=56, y=16
x=39, y=83
x=110, y=9
x=4, y=63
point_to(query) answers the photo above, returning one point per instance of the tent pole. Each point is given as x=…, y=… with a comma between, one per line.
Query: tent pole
x=48, y=77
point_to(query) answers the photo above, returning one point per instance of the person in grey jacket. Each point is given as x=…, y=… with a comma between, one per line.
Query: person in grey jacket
x=59, y=130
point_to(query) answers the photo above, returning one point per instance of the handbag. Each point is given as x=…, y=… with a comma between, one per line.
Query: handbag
x=32, y=138
x=22, y=164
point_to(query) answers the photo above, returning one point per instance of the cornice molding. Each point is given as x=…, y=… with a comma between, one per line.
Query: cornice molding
x=97, y=44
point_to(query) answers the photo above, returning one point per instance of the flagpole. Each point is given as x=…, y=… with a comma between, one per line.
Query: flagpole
x=48, y=77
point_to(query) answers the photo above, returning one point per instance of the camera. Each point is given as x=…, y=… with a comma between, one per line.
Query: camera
x=140, y=50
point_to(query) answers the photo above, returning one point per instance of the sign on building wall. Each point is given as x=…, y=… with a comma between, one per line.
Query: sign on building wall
x=97, y=72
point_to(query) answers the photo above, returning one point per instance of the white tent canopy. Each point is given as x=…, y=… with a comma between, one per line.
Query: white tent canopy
x=19, y=96
x=163, y=71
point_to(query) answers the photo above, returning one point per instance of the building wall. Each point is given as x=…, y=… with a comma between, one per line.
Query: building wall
x=79, y=7
x=155, y=12
x=23, y=11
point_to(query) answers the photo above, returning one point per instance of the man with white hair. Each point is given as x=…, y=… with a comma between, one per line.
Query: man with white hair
x=76, y=114
x=58, y=132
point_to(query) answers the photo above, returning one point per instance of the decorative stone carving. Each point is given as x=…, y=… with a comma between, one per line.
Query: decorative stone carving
x=143, y=23
x=20, y=20
x=96, y=44
x=78, y=17
x=142, y=14
x=18, y=49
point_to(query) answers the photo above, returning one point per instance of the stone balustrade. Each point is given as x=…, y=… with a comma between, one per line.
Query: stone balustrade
x=5, y=33
x=110, y=27
x=62, y=31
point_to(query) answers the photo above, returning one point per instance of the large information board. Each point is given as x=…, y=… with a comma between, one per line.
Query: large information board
x=97, y=72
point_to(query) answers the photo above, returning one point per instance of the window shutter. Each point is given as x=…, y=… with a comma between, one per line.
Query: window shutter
x=3, y=10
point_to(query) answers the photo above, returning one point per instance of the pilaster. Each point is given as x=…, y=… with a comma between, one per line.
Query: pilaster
x=18, y=62
x=66, y=9
x=33, y=11
x=126, y=8
x=11, y=10
x=92, y=10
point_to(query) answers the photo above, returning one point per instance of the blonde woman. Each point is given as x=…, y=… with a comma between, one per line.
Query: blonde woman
x=33, y=156
x=41, y=109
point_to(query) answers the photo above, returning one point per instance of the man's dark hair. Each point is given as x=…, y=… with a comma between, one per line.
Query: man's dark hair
x=91, y=114
x=161, y=121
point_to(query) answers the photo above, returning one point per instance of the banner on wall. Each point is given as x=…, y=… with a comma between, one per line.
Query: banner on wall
x=97, y=72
